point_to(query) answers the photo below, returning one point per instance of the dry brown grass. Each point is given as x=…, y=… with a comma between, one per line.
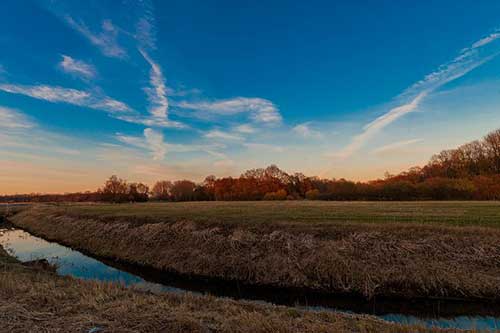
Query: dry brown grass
x=33, y=300
x=389, y=259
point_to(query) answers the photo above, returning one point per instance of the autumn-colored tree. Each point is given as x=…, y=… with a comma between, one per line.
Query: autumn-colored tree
x=162, y=190
x=438, y=188
x=487, y=187
x=209, y=187
x=492, y=143
x=138, y=192
x=471, y=171
x=115, y=190
x=278, y=195
x=298, y=185
x=312, y=194
x=183, y=190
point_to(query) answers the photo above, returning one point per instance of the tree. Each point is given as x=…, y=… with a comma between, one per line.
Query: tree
x=162, y=190
x=398, y=190
x=492, y=143
x=298, y=185
x=209, y=187
x=183, y=190
x=312, y=194
x=278, y=195
x=471, y=171
x=115, y=190
x=138, y=192
x=487, y=187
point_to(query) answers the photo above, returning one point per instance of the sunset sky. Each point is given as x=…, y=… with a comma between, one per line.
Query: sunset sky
x=152, y=90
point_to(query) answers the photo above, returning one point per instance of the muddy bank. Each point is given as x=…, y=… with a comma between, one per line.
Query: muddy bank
x=36, y=300
x=369, y=260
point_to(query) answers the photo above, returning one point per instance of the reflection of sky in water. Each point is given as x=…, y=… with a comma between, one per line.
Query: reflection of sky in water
x=69, y=262
x=26, y=247
x=462, y=322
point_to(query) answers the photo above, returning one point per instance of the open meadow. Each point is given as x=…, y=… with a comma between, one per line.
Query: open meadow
x=445, y=250
x=305, y=213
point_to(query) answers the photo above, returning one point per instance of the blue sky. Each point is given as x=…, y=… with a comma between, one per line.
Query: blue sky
x=155, y=90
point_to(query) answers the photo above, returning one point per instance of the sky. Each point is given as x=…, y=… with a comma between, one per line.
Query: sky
x=153, y=90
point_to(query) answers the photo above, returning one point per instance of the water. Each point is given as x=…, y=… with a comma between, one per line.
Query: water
x=27, y=247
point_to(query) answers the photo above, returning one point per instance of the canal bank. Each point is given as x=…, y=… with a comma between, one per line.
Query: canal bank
x=32, y=299
x=429, y=314
x=365, y=260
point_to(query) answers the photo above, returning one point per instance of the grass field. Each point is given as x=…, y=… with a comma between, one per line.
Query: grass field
x=459, y=213
x=404, y=249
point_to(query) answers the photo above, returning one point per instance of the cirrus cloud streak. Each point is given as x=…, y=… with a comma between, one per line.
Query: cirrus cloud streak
x=13, y=119
x=259, y=109
x=467, y=60
x=76, y=97
x=77, y=67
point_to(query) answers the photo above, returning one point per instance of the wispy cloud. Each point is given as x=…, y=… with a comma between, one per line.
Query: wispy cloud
x=245, y=129
x=48, y=93
x=153, y=141
x=467, y=60
x=221, y=135
x=157, y=93
x=13, y=119
x=77, y=67
x=264, y=147
x=157, y=96
x=486, y=40
x=182, y=91
x=304, y=130
x=110, y=104
x=56, y=94
x=34, y=141
x=260, y=110
x=135, y=141
x=145, y=32
x=106, y=40
x=378, y=124
x=150, y=121
x=116, y=109
x=395, y=147
x=395, y=113
x=215, y=153
x=226, y=163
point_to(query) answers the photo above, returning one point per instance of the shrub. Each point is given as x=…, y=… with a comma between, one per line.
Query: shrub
x=312, y=195
x=278, y=195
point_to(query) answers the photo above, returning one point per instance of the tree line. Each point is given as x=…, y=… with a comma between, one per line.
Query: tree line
x=469, y=172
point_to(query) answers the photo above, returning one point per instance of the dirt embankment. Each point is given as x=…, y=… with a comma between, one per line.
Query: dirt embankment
x=369, y=260
x=35, y=300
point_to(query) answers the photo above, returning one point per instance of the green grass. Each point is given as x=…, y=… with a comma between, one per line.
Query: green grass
x=458, y=213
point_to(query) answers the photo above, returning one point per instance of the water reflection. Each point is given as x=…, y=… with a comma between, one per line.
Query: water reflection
x=26, y=247
x=461, y=322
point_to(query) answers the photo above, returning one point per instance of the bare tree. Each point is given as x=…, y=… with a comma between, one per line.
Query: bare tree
x=162, y=190
x=492, y=143
x=183, y=190
x=115, y=189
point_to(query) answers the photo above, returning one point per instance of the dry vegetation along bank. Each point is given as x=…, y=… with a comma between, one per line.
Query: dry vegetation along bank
x=308, y=247
x=34, y=300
